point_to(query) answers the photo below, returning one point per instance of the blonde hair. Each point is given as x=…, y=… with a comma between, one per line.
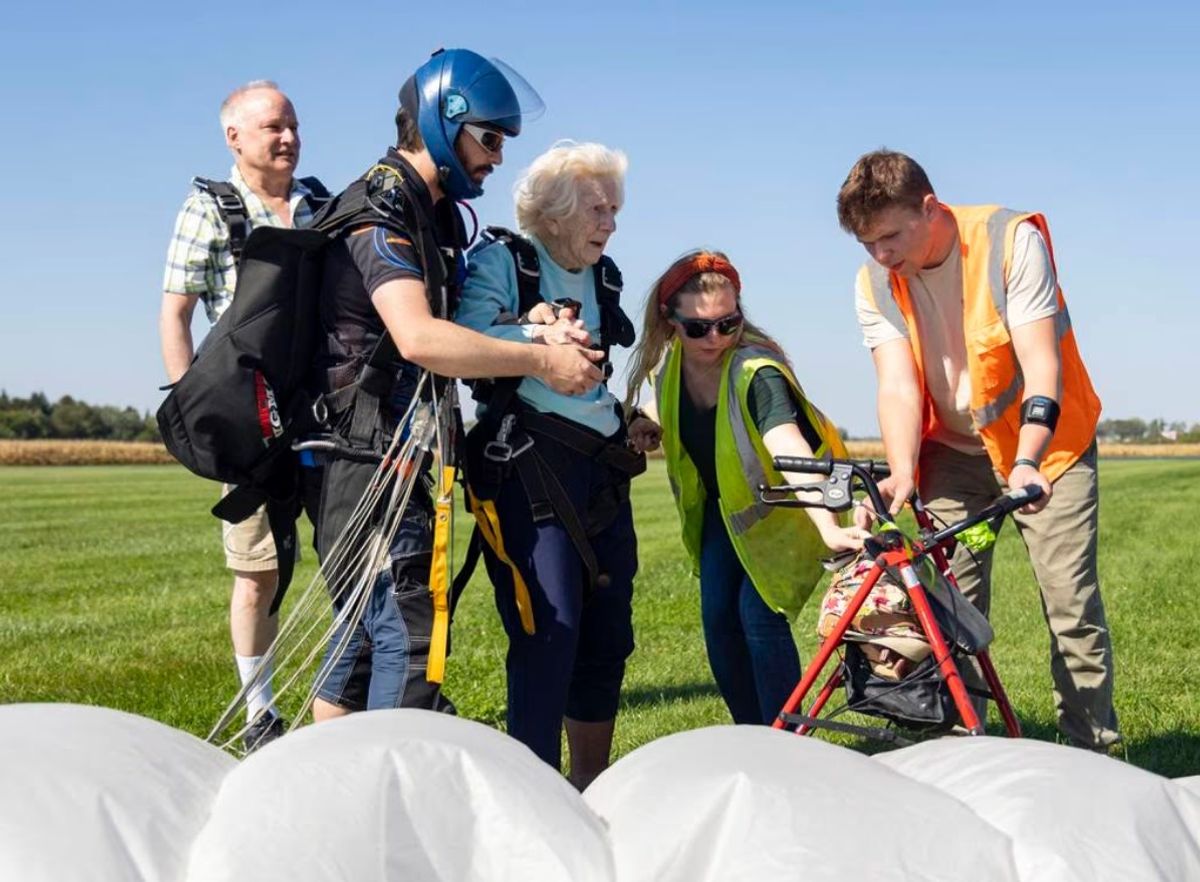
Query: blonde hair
x=658, y=332
x=548, y=189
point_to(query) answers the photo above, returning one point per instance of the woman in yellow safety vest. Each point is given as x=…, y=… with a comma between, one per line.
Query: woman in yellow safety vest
x=727, y=402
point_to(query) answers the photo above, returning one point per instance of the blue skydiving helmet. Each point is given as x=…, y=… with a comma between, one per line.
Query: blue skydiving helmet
x=455, y=87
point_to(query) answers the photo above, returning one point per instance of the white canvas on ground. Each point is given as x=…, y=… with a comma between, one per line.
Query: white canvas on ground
x=751, y=803
x=399, y=795
x=97, y=794
x=1073, y=815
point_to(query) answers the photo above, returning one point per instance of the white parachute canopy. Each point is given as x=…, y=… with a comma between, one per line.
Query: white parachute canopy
x=1072, y=815
x=399, y=795
x=92, y=793
x=96, y=794
x=754, y=803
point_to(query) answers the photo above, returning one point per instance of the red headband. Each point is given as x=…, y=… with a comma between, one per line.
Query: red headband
x=704, y=262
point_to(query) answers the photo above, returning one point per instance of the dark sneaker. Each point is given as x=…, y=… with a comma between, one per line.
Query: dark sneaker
x=262, y=731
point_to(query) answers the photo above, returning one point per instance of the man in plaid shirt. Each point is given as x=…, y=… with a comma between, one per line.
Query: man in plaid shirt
x=262, y=133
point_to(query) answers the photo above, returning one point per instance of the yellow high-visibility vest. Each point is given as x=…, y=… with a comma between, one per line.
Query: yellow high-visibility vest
x=779, y=548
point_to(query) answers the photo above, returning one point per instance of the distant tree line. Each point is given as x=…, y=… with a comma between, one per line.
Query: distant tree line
x=1138, y=431
x=1128, y=431
x=38, y=417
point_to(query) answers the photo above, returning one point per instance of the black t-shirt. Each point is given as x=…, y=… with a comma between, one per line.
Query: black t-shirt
x=771, y=403
x=366, y=257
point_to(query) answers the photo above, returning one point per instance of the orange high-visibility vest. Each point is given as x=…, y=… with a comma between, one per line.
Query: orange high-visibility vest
x=985, y=235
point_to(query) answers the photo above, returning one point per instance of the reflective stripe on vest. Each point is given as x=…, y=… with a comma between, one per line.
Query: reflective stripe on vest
x=779, y=548
x=1081, y=407
x=743, y=520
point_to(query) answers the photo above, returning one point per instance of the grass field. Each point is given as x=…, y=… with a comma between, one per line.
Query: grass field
x=113, y=592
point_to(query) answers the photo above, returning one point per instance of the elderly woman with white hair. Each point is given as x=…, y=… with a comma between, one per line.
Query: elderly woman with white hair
x=549, y=473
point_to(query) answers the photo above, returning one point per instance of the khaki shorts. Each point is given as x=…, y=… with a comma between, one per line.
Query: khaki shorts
x=249, y=547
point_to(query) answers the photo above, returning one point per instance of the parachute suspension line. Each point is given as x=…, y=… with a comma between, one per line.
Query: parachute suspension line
x=375, y=556
x=407, y=465
x=349, y=570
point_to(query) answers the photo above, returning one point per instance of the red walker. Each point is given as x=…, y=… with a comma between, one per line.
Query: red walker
x=893, y=551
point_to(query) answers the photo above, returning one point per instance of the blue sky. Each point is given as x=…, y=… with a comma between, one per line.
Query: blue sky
x=740, y=121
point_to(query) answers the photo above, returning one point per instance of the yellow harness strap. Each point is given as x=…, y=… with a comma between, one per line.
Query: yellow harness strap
x=489, y=529
x=439, y=577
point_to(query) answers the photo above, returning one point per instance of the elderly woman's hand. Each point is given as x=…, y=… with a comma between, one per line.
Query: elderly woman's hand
x=644, y=434
x=544, y=314
x=564, y=330
x=552, y=323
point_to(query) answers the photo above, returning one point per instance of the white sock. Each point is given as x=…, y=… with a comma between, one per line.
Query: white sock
x=260, y=696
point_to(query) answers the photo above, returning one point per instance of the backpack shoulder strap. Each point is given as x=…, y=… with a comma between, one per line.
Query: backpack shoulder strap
x=318, y=193
x=615, y=327
x=232, y=210
x=525, y=259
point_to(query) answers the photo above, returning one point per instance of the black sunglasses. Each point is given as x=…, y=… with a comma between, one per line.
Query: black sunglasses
x=698, y=328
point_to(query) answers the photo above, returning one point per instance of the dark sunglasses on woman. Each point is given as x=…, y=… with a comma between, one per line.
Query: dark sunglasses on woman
x=696, y=328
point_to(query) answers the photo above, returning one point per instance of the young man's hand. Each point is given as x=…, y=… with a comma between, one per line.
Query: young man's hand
x=895, y=491
x=1024, y=475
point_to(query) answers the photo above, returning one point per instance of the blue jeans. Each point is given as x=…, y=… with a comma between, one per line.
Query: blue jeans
x=750, y=647
x=382, y=663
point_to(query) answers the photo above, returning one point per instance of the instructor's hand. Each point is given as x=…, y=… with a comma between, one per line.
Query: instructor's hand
x=570, y=369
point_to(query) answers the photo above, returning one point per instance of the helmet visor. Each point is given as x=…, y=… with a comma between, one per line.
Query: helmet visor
x=531, y=103
x=503, y=98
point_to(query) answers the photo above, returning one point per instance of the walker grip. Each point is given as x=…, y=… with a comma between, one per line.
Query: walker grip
x=803, y=465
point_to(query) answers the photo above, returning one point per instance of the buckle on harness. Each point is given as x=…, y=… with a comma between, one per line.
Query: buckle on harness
x=228, y=203
x=320, y=410
x=541, y=511
x=499, y=450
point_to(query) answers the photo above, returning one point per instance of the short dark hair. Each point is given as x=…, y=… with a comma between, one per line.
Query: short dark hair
x=408, y=136
x=878, y=181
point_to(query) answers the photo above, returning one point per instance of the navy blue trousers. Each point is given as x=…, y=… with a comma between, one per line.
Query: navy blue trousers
x=750, y=647
x=574, y=663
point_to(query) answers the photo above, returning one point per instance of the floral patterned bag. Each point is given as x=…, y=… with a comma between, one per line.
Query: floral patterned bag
x=885, y=626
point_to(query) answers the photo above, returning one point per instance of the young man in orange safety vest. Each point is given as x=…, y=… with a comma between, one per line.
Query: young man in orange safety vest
x=981, y=387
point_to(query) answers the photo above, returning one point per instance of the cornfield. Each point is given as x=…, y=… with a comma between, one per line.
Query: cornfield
x=69, y=452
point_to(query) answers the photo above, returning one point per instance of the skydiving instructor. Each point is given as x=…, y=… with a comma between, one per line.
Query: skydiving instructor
x=391, y=282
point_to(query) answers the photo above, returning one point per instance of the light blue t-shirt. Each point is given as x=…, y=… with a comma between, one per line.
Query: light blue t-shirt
x=491, y=289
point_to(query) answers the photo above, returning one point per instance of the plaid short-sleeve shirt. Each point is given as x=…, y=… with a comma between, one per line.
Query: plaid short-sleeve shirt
x=199, y=260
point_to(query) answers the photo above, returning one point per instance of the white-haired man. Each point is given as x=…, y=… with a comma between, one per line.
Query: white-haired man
x=261, y=130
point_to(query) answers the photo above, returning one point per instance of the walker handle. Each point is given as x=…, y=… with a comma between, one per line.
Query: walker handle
x=1018, y=498
x=994, y=513
x=813, y=466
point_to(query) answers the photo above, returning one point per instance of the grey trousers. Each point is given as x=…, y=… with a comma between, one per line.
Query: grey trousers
x=1061, y=541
